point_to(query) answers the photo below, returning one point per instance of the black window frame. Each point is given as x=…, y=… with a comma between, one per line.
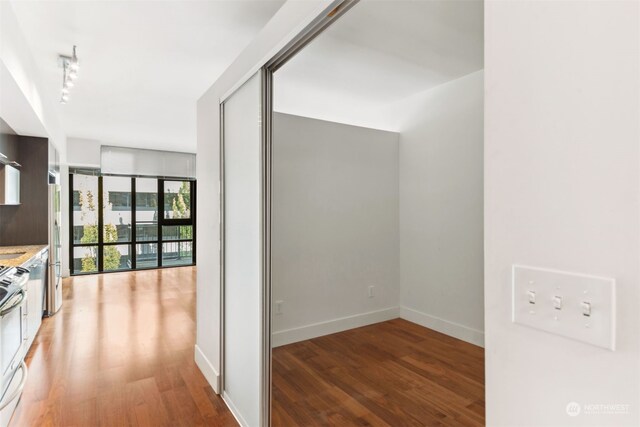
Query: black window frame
x=133, y=241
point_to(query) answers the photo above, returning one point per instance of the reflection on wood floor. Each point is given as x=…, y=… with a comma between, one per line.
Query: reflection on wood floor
x=394, y=373
x=121, y=353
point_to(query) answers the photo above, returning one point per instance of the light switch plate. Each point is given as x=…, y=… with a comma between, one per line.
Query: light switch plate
x=599, y=328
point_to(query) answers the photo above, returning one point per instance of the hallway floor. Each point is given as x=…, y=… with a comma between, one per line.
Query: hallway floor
x=120, y=353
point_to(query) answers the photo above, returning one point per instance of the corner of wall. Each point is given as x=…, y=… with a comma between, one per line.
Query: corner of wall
x=210, y=374
x=333, y=326
x=447, y=327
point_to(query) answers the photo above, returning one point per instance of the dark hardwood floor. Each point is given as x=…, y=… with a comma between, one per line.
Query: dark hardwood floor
x=120, y=353
x=394, y=373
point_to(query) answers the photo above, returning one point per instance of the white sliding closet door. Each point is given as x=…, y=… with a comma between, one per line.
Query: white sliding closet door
x=243, y=266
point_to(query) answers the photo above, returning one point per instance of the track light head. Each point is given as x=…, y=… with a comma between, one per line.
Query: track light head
x=70, y=66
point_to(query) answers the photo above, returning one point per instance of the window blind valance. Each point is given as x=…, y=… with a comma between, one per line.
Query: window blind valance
x=140, y=162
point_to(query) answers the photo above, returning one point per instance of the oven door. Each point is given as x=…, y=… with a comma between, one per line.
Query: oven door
x=13, y=334
x=12, y=394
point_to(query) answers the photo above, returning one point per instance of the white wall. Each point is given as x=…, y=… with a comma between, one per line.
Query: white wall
x=18, y=66
x=25, y=106
x=562, y=190
x=290, y=19
x=334, y=184
x=441, y=205
x=334, y=227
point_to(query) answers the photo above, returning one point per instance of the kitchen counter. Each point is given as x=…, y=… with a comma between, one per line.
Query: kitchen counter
x=29, y=252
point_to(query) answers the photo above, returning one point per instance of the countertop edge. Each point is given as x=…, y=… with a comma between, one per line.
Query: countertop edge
x=30, y=251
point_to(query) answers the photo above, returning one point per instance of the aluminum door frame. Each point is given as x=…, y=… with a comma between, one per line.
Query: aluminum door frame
x=306, y=36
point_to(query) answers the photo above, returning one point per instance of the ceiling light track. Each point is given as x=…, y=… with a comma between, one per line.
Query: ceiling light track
x=70, y=67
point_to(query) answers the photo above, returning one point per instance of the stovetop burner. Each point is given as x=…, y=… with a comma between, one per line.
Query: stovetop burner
x=20, y=271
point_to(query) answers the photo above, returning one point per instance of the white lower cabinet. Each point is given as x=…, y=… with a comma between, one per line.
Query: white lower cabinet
x=34, y=310
x=37, y=267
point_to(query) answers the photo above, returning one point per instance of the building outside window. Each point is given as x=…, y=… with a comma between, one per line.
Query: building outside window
x=116, y=223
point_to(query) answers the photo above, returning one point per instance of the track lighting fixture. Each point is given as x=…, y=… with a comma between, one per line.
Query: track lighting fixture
x=70, y=67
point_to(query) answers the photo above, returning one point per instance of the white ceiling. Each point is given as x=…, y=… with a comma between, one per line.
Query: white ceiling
x=379, y=53
x=143, y=64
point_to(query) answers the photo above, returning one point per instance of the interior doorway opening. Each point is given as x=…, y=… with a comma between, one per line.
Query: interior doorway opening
x=376, y=220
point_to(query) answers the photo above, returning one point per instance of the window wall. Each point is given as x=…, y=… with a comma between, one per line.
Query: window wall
x=130, y=223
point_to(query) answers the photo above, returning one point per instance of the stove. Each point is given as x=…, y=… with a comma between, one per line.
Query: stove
x=11, y=282
x=13, y=336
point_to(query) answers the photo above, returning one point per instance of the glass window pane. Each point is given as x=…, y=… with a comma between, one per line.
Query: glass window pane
x=85, y=259
x=146, y=209
x=116, y=213
x=116, y=257
x=146, y=255
x=177, y=232
x=177, y=199
x=146, y=232
x=177, y=253
x=85, y=209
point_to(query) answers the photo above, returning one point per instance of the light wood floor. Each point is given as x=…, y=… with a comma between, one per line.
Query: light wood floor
x=120, y=353
x=394, y=373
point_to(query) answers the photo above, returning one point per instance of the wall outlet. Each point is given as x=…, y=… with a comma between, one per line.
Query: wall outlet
x=371, y=291
x=278, y=307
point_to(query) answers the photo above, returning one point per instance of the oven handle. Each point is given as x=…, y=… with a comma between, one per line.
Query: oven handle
x=17, y=392
x=23, y=279
x=15, y=305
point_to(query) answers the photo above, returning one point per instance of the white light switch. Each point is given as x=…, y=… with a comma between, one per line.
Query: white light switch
x=576, y=306
x=557, y=302
x=586, y=308
x=532, y=297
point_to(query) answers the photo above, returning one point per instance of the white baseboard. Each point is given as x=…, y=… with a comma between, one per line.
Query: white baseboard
x=306, y=332
x=213, y=378
x=446, y=327
x=234, y=410
x=207, y=369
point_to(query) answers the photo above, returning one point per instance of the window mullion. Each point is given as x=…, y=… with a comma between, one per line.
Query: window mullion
x=100, y=225
x=134, y=228
x=160, y=219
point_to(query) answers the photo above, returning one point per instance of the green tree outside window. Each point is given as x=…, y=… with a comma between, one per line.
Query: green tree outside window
x=181, y=208
x=111, y=254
